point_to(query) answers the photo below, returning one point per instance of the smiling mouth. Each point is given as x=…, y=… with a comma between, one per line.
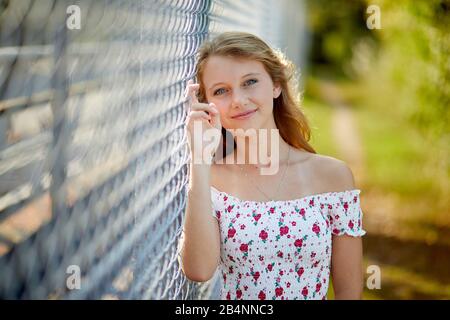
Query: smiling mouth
x=245, y=114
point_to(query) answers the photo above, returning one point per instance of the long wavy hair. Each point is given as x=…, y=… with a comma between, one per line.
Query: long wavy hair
x=289, y=118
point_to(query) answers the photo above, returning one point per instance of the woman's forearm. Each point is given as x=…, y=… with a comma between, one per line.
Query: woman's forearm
x=201, y=239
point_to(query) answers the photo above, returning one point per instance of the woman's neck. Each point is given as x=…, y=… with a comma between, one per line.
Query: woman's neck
x=264, y=150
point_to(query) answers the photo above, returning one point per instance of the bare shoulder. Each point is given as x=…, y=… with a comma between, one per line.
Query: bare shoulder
x=335, y=174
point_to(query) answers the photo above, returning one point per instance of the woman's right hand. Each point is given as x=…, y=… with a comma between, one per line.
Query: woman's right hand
x=208, y=116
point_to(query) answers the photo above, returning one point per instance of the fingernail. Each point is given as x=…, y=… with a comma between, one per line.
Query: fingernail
x=213, y=108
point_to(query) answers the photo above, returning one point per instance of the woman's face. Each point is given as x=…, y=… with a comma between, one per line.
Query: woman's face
x=238, y=86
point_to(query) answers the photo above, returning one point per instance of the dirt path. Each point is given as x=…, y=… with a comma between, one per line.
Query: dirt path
x=345, y=132
x=405, y=256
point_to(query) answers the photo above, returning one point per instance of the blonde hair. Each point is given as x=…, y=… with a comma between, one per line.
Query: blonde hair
x=289, y=119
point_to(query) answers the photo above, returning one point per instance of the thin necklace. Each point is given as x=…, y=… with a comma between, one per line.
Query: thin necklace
x=279, y=184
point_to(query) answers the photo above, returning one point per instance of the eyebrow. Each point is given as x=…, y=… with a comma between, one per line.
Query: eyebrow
x=248, y=74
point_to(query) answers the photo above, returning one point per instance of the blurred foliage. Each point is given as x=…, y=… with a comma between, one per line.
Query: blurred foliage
x=399, y=75
x=319, y=117
x=411, y=71
x=404, y=66
x=396, y=82
x=335, y=27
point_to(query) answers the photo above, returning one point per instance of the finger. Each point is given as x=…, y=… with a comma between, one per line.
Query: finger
x=210, y=108
x=214, y=109
x=191, y=92
x=215, y=121
x=199, y=114
x=186, y=92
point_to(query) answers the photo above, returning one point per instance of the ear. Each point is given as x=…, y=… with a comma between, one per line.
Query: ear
x=276, y=90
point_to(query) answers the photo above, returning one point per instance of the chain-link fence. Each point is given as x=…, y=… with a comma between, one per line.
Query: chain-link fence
x=93, y=154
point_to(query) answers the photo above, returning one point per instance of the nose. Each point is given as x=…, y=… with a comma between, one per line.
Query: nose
x=238, y=99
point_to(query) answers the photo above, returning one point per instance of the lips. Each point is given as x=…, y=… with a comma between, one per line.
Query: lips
x=244, y=114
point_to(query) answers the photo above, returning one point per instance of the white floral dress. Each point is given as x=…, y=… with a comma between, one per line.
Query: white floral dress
x=282, y=249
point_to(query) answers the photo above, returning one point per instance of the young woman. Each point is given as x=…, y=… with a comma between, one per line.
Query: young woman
x=276, y=236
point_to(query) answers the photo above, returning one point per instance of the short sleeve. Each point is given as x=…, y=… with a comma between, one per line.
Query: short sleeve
x=346, y=214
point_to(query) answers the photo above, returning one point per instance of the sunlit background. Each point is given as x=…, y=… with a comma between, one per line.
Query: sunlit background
x=379, y=99
x=93, y=157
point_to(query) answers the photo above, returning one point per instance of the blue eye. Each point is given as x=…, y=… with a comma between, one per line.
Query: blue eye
x=246, y=83
x=254, y=81
x=217, y=91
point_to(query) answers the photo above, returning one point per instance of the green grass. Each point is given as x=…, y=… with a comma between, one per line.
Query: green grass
x=396, y=155
x=399, y=160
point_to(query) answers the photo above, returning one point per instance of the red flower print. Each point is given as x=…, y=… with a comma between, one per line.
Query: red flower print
x=218, y=214
x=298, y=243
x=230, y=269
x=294, y=223
x=257, y=217
x=350, y=224
x=228, y=296
x=280, y=254
x=261, y=258
x=272, y=210
x=225, y=198
x=337, y=217
x=302, y=212
x=313, y=254
x=345, y=206
x=321, y=206
x=231, y=232
x=311, y=203
x=355, y=199
x=316, y=229
x=238, y=293
x=318, y=286
x=242, y=226
x=335, y=231
x=243, y=247
x=281, y=272
x=224, y=277
x=284, y=230
x=269, y=267
x=245, y=288
x=305, y=292
x=300, y=271
x=278, y=291
x=263, y=235
x=288, y=284
x=261, y=295
x=229, y=208
x=330, y=207
x=256, y=275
